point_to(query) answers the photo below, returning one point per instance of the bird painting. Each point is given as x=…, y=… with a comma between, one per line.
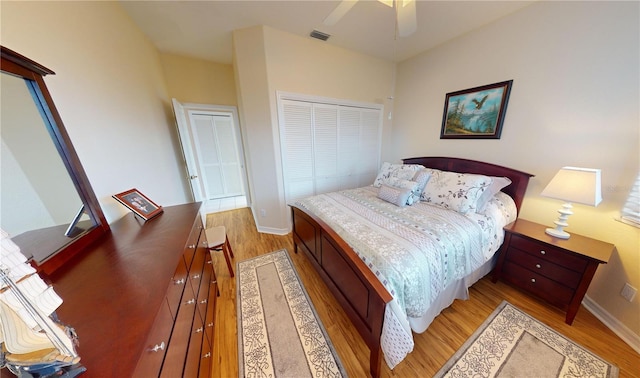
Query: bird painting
x=480, y=103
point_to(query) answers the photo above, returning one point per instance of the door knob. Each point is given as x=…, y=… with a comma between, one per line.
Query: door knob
x=193, y=177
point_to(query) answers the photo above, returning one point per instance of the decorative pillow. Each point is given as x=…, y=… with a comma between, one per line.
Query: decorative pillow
x=393, y=195
x=497, y=183
x=399, y=183
x=401, y=171
x=422, y=177
x=455, y=191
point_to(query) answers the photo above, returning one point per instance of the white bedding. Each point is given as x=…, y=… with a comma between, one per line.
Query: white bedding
x=424, y=255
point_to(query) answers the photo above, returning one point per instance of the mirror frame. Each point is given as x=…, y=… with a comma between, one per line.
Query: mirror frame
x=18, y=65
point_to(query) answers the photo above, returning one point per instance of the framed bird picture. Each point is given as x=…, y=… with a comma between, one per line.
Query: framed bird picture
x=476, y=113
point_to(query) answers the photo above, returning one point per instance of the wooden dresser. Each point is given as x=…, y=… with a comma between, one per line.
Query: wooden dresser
x=142, y=299
x=558, y=271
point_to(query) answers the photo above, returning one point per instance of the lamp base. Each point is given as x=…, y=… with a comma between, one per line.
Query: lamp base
x=561, y=223
x=560, y=234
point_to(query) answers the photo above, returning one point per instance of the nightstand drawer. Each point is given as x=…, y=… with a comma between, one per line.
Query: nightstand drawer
x=549, y=253
x=537, y=284
x=544, y=267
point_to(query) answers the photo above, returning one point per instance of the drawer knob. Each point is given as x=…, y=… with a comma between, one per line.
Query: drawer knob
x=158, y=347
x=203, y=301
x=538, y=266
x=196, y=276
x=210, y=324
x=192, y=246
x=207, y=355
x=190, y=301
x=209, y=262
x=533, y=280
x=199, y=330
x=543, y=252
x=179, y=282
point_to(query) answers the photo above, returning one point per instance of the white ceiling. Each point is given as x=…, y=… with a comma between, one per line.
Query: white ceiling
x=203, y=29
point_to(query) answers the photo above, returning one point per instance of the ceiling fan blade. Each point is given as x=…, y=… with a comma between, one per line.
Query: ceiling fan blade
x=338, y=12
x=407, y=19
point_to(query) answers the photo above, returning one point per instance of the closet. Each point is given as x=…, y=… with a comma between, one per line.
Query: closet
x=327, y=145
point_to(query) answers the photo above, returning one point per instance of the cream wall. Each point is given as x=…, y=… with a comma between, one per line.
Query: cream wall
x=268, y=60
x=199, y=81
x=110, y=92
x=575, y=101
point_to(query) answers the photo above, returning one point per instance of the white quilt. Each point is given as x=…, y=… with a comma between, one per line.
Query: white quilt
x=416, y=251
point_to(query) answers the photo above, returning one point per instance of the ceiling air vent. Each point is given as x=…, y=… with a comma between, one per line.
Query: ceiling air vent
x=319, y=35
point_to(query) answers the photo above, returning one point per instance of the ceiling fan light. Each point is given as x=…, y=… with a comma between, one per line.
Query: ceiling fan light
x=338, y=12
x=407, y=21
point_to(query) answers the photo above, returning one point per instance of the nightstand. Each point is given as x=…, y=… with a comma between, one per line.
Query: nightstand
x=558, y=271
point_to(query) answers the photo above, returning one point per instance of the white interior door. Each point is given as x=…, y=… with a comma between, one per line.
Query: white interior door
x=216, y=149
x=187, y=150
x=210, y=139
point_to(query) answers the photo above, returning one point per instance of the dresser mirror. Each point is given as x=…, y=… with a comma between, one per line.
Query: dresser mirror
x=47, y=204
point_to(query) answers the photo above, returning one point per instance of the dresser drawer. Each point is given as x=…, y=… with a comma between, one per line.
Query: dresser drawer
x=150, y=361
x=192, y=242
x=180, y=337
x=549, y=253
x=195, y=273
x=211, y=302
x=544, y=267
x=537, y=284
x=205, y=358
x=176, y=287
x=192, y=362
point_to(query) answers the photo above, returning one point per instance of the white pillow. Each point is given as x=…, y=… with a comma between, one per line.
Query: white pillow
x=455, y=191
x=401, y=171
x=394, y=195
x=497, y=183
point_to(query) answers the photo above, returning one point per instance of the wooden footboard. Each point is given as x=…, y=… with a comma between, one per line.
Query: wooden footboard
x=357, y=289
x=352, y=283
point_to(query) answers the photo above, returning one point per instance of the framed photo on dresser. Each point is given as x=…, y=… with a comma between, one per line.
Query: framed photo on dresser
x=140, y=204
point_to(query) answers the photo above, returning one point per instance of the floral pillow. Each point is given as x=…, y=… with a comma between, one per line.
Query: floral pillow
x=497, y=183
x=394, y=195
x=401, y=171
x=399, y=183
x=455, y=191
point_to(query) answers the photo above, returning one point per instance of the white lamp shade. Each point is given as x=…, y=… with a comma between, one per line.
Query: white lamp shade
x=576, y=185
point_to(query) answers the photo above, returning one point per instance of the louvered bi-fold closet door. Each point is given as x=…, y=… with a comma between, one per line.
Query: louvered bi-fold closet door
x=297, y=149
x=327, y=147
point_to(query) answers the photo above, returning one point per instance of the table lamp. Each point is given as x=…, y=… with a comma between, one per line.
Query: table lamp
x=572, y=185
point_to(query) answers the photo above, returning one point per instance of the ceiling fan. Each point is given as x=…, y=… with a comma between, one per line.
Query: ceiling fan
x=406, y=21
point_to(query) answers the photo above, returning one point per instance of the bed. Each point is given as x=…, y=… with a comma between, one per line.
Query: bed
x=383, y=307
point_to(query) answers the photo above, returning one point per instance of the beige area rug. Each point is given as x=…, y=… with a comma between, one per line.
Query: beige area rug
x=279, y=333
x=511, y=343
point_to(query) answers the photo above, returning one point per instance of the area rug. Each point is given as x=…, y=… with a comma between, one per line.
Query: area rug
x=511, y=343
x=279, y=332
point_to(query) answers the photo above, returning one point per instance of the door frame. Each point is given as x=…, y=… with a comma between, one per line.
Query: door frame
x=189, y=149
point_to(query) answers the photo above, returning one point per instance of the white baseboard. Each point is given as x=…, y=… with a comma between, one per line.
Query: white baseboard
x=268, y=230
x=271, y=230
x=614, y=324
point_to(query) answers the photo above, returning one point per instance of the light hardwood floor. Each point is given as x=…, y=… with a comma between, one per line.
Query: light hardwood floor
x=432, y=348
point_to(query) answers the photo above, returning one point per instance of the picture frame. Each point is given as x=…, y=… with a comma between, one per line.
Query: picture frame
x=476, y=113
x=138, y=203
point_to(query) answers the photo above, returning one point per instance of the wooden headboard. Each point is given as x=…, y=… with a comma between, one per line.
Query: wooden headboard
x=519, y=179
